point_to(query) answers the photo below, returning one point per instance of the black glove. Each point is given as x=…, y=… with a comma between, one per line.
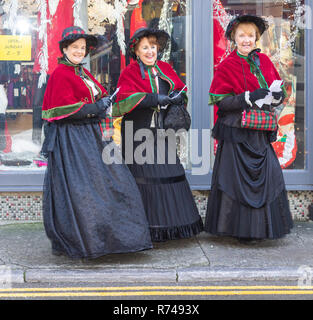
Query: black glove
x=164, y=100
x=278, y=98
x=113, y=98
x=104, y=103
x=90, y=110
x=257, y=94
x=176, y=98
x=278, y=95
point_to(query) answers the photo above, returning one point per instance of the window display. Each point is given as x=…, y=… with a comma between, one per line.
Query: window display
x=29, y=52
x=20, y=110
x=284, y=43
x=28, y=55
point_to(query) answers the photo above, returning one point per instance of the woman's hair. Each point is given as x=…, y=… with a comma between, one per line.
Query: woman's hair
x=246, y=26
x=152, y=40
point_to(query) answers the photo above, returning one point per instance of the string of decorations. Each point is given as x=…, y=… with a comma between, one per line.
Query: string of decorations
x=43, y=53
x=76, y=13
x=119, y=13
x=11, y=7
x=166, y=24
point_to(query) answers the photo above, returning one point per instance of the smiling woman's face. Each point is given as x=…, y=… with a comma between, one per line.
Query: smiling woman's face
x=147, y=50
x=76, y=51
x=245, y=38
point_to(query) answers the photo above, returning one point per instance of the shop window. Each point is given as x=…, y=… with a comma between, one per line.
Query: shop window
x=20, y=97
x=35, y=28
x=108, y=61
x=284, y=43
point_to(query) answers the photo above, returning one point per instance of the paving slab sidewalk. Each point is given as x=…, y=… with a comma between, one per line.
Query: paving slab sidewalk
x=26, y=252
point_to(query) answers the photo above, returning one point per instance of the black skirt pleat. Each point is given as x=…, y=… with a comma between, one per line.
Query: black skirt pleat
x=248, y=198
x=169, y=204
x=228, y=217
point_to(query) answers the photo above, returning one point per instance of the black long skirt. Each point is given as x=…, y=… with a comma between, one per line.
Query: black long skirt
x=248, y=198
x=169, y=204
x=90, y=209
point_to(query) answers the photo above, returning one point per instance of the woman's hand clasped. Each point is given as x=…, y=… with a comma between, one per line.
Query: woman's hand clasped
x=177, y=98
x=278, y=98
x=173, y=98
x=164, y=100
x=103, y=104
x=258, y=94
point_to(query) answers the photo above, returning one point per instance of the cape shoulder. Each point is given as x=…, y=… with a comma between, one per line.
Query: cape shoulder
x=234, y=60
x=67, y=73
x=133, y=69
x=62, y=73
x=228, y=63
x=165, y=66
x=66, y=93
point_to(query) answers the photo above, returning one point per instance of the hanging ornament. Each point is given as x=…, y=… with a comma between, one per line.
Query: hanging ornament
x=221, y=20
x=120, y=10
x=76, y=13
x=220, y=14
x=43, y=54
x=10, y=8
x=166, y=24
x=27, y=8
x=53, y=5
x=100, y=14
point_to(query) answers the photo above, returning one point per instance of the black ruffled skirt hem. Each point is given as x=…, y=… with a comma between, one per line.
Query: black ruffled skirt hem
x=159, y=234
x=228, y=217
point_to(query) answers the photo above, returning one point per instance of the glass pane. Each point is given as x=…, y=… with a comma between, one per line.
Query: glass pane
x=284, y=43
x=108, y=61
x=20, y=96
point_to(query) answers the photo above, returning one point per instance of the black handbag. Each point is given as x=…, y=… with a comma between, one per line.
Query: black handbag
x=177, y=117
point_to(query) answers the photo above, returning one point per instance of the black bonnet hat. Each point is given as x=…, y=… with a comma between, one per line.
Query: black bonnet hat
x=71, y=34
x=261, y=24
x=161, y=36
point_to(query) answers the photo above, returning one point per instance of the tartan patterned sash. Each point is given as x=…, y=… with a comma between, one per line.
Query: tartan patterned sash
x=259, y=120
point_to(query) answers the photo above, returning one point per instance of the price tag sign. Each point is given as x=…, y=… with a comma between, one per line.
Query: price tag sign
x=15, y=48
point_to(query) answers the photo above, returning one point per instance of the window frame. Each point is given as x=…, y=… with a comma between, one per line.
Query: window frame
x=202, y=72
x=302, y=179
x=202, y=114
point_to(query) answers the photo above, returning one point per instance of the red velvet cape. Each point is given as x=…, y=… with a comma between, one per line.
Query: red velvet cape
x=133, y=88
x=67, y=93
x=229, y=78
